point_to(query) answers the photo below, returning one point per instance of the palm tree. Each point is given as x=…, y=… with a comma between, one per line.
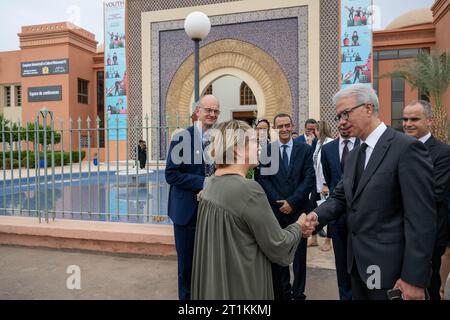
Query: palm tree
x=430, y=74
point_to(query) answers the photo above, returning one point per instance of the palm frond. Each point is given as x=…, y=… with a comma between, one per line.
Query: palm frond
x=429, y=73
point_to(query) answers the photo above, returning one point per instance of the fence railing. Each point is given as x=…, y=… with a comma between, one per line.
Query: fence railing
x=54, y=172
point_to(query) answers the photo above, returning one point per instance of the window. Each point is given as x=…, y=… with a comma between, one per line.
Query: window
x=399, y=54
x=7, y=96
x=208, y=90
x=388, y=54
x=18, y=96
x=398, y=102
x=83, y=91
x=424, y=96
x=408, y=53
x=247, y=96
x=376, y=75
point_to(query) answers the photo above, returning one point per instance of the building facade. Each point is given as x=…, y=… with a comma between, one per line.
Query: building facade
x=403, y=39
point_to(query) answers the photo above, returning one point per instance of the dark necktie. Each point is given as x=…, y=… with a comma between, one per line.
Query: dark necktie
x=344, y=155
x=210, y=168
x=360, y=165
x=285, y=157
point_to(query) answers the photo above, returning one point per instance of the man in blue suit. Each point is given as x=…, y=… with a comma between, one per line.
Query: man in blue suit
x=333, y=158
x=310, y=135
x=287, y=190
x=185, y=173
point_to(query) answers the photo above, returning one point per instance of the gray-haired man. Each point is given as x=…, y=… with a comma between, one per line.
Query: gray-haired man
x=387, y=191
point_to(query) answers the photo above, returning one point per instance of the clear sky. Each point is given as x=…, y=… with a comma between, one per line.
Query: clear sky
x=88, y=14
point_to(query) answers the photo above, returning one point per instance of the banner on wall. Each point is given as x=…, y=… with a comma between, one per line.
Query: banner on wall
x=48, y=93
x=43, y=68
x=116, y=83
x=356, y=42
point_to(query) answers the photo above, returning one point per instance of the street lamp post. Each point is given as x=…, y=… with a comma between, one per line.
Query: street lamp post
x=197, y=27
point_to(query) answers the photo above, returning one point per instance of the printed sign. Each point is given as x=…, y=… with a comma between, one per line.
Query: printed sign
x=116, y=82
x=44, y=68
x=49, y=93
x=356, y=42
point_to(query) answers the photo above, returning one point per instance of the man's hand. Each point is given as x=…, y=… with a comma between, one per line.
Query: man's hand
x=325, y=191
x=310, y=139
x=301, y=221
x=285, y=207
x=308, y=224
x=410, y=292
x=199, y=195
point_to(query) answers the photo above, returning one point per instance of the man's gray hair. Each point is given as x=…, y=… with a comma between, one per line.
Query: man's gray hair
x=427, y=107
x=362, y=94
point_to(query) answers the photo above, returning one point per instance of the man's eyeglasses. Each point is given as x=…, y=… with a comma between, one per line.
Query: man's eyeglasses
x=211, y=111
x=346, y=113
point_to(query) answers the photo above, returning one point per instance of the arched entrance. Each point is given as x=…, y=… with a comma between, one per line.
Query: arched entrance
x=231, y=57
x=241, y=77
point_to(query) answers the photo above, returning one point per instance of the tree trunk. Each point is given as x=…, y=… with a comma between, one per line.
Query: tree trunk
x=440, y=124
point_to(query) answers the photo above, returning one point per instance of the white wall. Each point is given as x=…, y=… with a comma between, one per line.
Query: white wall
x=227, y=90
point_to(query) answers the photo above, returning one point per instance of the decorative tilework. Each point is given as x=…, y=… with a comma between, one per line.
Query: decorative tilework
x=282, y=33
x=329, y=59
x=329, y=70
x=278, y=38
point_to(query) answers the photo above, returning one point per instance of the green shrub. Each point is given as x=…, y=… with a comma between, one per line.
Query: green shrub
x=8, y=164
x=15, y=155
x=66, y=156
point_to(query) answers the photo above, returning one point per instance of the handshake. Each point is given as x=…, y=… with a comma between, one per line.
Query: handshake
x=308, y=223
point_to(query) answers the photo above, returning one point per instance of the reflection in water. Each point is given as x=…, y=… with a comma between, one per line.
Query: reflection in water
x=86, y=199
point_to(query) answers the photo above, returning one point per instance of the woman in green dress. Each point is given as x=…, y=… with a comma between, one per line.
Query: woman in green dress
x=237, y=235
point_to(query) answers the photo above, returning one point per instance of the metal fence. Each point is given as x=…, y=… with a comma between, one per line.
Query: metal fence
x=79, y=171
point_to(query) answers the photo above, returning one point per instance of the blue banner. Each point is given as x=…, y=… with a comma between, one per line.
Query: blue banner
x=116, y=83
x=356, y=42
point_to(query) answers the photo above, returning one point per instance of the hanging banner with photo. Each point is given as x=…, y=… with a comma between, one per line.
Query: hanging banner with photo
x=356, y=42
x=116, y=85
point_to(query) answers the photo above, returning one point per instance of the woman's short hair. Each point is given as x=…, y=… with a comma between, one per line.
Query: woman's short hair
x=226, y=138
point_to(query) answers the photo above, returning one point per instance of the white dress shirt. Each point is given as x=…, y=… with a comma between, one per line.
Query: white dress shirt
x=425, y=137
x=290, y=144
x=320, y=178
x=372, y=140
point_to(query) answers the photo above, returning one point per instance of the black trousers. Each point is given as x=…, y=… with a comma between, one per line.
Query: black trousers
x=184, y=244
x=435, y=283
x=360, y=290
x=281, y=276
x=339, y=235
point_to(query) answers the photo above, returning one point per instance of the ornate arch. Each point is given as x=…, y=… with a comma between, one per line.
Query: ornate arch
x=226, y=54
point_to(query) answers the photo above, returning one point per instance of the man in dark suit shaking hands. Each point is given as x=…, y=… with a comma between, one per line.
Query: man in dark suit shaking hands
x=185, y=173
x=287, y=190
x=387, y=191
x=417, y=122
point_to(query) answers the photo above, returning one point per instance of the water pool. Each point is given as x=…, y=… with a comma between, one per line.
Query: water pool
x=104, y=196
